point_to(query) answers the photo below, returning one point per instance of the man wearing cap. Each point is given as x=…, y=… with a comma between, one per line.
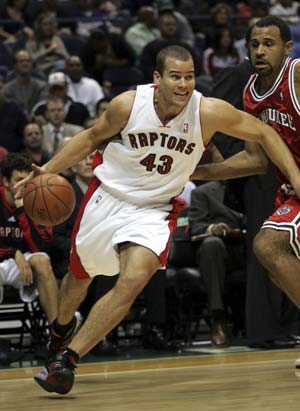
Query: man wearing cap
x=75, y=112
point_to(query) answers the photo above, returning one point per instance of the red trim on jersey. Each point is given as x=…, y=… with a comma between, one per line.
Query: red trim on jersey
x=97, y=160
x=75, y=263
x=178, y=205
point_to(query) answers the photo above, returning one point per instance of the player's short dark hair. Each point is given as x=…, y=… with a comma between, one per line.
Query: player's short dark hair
x=176, y=52
x=285, y=32
x=15, y=161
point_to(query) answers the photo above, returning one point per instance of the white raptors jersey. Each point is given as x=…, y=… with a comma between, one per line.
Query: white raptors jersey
x=151, y=163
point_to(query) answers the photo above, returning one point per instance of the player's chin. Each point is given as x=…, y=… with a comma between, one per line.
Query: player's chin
x=182, y=100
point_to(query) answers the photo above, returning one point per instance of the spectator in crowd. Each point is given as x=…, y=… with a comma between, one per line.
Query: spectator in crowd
x=211, y=212
x=56, y=128
x=168, y=28
x=105, y=50
x=24, y=89
x=17, y=27
x=220, y=18
x=23, y=264
x=87, y=16
x=81, y=88
x=222, y=54
x=76, y=112
x=33, y=144
x=45, y=47
x=102, y=105
x=286, y=9
x=12, y=122
x=184, y=29
x=144, y=30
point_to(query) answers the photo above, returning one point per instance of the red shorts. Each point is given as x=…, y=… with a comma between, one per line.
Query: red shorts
x=286, y=216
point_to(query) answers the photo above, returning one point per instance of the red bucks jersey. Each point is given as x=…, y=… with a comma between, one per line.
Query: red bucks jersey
x=150, y=163
x=278, y=107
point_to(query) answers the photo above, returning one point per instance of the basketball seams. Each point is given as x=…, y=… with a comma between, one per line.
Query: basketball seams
x=57, y=197
x=46, y=205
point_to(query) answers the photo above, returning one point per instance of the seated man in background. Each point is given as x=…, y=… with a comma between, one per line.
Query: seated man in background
x=56, y=127
x=23, y=265
x=211, y=213
x=75, y=112
x=33, y=144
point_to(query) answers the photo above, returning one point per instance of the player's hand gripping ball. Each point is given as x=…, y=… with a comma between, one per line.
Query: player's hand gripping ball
x=49, y=199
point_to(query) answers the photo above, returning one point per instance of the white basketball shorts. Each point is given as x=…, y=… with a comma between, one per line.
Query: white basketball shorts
x=105, y=221
x=10, y=275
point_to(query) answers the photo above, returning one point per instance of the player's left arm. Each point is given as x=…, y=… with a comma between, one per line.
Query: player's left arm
x=218, y=115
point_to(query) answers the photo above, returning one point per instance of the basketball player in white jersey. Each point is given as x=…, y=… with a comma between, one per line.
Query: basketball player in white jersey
x=156, y=136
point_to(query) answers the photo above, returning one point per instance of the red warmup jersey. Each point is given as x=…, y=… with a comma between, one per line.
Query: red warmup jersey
x=278, y=107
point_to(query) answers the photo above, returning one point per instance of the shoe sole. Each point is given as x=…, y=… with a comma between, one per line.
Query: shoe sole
x=60, y=382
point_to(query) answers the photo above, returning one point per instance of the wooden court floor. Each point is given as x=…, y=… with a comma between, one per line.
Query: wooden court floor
x=254, y=381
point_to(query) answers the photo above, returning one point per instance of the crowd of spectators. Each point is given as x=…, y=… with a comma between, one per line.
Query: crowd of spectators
x=61, y=61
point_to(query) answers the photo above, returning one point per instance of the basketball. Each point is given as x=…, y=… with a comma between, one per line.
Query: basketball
x=49, y=199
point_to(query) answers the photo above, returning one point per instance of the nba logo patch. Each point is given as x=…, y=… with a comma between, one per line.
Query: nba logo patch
x=185, y=127
x=98, y=199
x=281, y=96
x=283, y=210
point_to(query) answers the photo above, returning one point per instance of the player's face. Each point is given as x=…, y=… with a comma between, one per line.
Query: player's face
x=177, y=82
x=267, y=50
x=16, y=176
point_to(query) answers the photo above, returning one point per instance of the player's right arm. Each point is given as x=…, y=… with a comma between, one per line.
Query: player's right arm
x=109, y=124
x=248, y=162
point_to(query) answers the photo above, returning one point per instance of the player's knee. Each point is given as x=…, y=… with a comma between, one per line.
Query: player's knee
x=131, y=285
x=212, y=245
x=262, y=246
x=41, y=264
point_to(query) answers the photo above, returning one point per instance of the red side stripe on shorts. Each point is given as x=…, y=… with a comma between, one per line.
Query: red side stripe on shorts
x=75, y=263
x=178, y=205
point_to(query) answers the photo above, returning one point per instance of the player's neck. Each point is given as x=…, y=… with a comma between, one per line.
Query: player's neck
x=164, y=110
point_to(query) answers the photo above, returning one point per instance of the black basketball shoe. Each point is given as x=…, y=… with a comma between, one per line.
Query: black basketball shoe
x=58, y=376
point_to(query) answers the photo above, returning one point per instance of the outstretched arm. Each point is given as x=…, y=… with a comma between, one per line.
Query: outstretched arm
x=217, y=115
x=248, y=162
x=108, y=125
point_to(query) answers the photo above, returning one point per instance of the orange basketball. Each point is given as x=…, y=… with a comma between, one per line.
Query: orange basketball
x=49, y=199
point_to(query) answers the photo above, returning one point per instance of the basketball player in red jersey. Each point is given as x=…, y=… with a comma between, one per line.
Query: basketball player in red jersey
x=272, y=95
x=127, y=215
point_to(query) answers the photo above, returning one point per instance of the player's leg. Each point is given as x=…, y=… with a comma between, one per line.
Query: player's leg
x=273, y=249
x=137, y=265
x=72, y=293
x=46, y=284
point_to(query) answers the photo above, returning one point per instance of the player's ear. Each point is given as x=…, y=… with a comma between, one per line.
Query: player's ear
x=156, y=77
x=288, y=47
x=5, y=181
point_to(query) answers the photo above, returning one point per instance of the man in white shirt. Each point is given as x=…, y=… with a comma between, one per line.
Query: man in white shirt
x=80, y=88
